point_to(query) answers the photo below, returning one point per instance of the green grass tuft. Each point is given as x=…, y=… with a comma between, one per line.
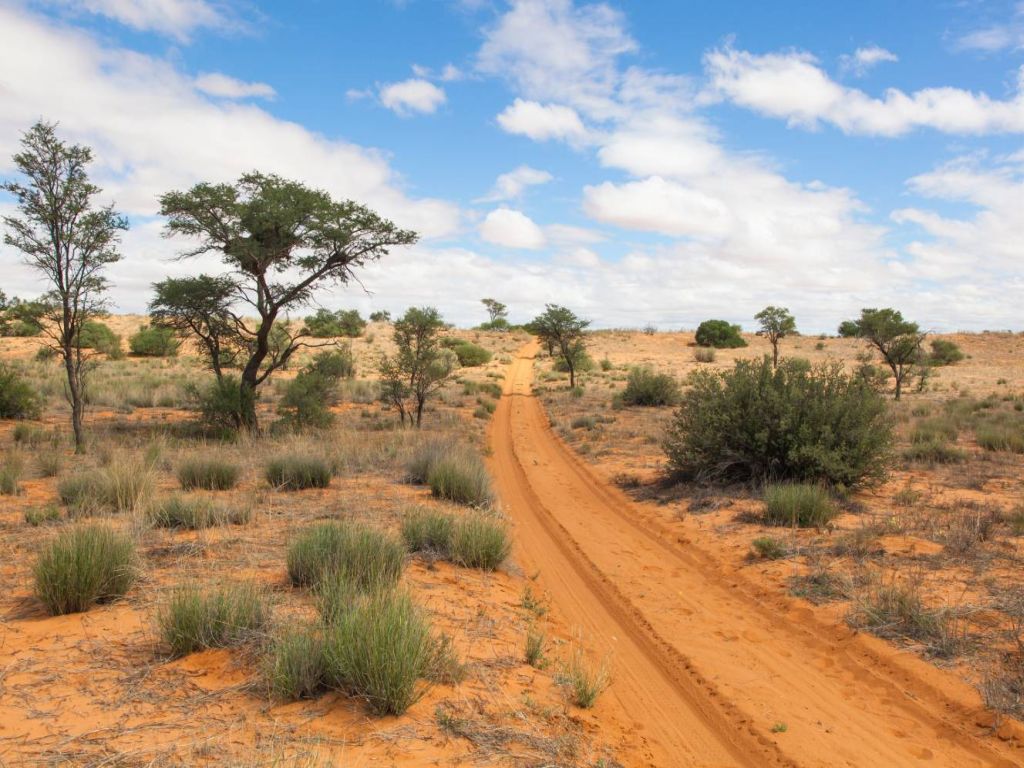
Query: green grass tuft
x=194, y=620
x=83, y=566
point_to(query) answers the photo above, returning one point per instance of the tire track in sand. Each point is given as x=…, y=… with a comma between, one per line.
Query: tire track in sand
x=703, y=664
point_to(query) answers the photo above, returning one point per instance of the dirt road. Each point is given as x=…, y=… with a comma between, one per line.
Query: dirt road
x=711, y=669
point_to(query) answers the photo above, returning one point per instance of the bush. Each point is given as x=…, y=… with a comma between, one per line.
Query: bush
x=756, y=423
x=208, y=474
x=719, y=334
x=426, y=530
x=1001, y=437
x=471, y=355
x=326, y=324
x=18, y=398
x=82, y=566
x=366, y=558
x=801, y=504
x=335, y=364
x=98, y=336
x=945, y=353
x=645, y=387
x=194, y=513
x=479, y=541
x=192, y=621
x=704, y=354
x=378, y=650
x=308, y=397
x=223, y=402
x=461, y=478
x=295, y=668
x=584, y=364
x=295, y=473
x=154, y=341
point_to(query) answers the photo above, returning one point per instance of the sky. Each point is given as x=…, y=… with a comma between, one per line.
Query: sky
x=651, y=162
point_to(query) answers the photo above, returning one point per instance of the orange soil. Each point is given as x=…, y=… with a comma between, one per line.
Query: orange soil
x=706, y=664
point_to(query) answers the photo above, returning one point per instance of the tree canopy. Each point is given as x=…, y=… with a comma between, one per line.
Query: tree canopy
x=898, y=341
x=563, y=332
x=775, y=324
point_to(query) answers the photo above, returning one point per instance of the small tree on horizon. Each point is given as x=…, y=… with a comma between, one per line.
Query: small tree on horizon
x=497, y=312
x=776, y=324
x=281, y=241
x=419, y=367
x=70, y=242
x=898, y=341
x=563, y=332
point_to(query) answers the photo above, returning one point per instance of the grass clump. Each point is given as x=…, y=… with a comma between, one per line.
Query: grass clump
x=83, y=566
x=479, y=541
x=367, y=558
x=935, y=452
x=801, y=504
x=195, y=513
x=42, y=515
x=295, y=666
x=704, y=354
x=12, y=468
x=535, y=649
x=897, y=610
x=378, y=650
x=228, y=616
x=938, y=429
x=209, y=474
x=462, y=478
x=1007, y=438
x=795, y=422
x=583, y=680
x=122, y=486
x=647, y=388
x=427, y=530
x=768, y=548
x=295, y=472
x=424, y=457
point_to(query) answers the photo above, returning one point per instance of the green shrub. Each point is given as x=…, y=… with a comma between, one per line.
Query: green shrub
x=719, y=334
x=793, y=422
x=336, y=364
x=461, y=478
x=308, y=398
x=378, y=650
x=606, y=364
x=294, y=472
x=479, y=541
x=944, y=353
x=193, y=620
x=82, y=566
x=704, y=354
x=326, y=324
x=1006, y=437
x=849, y=329
x=935, y=452
x=427, y=530
x=209, y=474
x=583, y=422
x=802, y=504
x=154, y=341
x=471, y=355
x=645, y=387
x=18, y=398
x=295, y=667
x=584, y=364
x=98, y=336
x=938, y=429
x=366, y=558
x=223, y=402
x=194, y=513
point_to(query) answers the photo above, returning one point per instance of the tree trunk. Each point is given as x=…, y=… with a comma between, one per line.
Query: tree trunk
x=75, y=396
x=572, y=374
x=899, y=386
x=419, y=412
x=247, y=405
x=775, y=355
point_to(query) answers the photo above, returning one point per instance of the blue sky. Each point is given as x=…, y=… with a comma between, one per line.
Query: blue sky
x=642, y=162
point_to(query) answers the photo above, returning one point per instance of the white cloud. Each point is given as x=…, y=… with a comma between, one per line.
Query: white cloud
x=217, y=84
x=153, y=131
x=996, y=37
x=511, y=229
x=656, y=205
x=863, y=59
x=175, y=18
x=541, y=122
x=511, y=185
x=414, y=95
x=792, y=86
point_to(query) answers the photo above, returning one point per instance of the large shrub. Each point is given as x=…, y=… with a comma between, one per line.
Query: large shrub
x=719, y=334
x=223, y=404
x=645, y=387
x=471, y=355
x=308, y=398
x=82, y=566
x=794, y=422
x=18, y=399
x=327, y=324
x=154, y=341
x=945, y=352
x=98, y=336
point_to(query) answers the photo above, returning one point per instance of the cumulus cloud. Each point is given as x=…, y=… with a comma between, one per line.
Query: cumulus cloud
x=153, y=130
x=511, y=185
x=996, y=37
x=217, y=84
x=511, y=229
x=541, y=122
x=174, y=18
x=410, y=96
x=792, y=86
x=863, y=59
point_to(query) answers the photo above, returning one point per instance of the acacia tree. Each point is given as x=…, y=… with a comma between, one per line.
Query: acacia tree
x=776, y=324
x=70, y=242
x=420, y=366
x=497, y=312
x=281, y=241
x=563, y=332
x=898, y=341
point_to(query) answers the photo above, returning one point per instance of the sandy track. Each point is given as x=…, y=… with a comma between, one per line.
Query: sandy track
x=704, y=662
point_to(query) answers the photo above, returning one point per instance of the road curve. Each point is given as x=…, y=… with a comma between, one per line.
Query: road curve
x=704, y=662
